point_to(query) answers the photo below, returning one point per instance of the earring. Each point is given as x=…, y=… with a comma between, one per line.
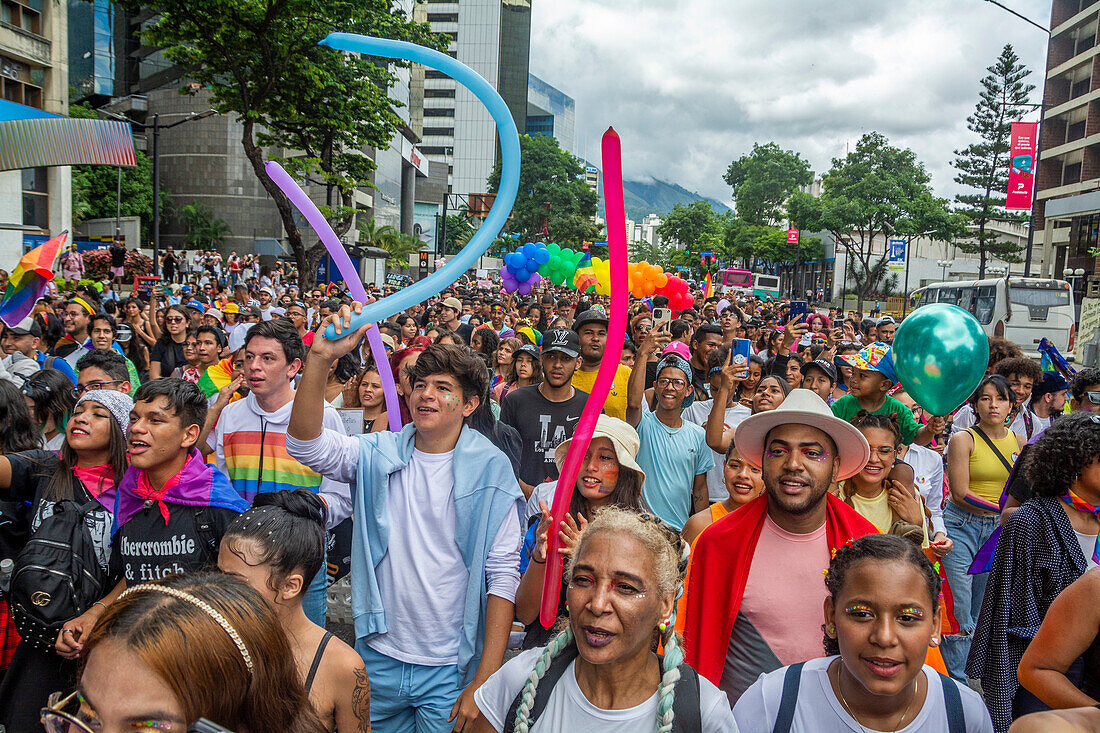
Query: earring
x=663, y=627
x=934, y=643
x=830, y=631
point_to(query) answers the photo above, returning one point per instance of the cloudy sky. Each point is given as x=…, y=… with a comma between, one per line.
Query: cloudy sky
x=691, y=84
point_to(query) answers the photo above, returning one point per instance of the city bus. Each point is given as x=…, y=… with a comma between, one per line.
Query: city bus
x=746, y=282
x=1020, y=309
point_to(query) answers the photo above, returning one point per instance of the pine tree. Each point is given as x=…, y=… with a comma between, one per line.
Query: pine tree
x=983, y=165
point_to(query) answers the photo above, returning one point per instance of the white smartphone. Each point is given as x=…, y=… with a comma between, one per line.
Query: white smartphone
x=661, y=317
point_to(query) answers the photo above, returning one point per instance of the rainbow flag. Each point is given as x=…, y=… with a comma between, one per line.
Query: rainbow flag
x=216, y=377
x=27, y=282
x=709, y=289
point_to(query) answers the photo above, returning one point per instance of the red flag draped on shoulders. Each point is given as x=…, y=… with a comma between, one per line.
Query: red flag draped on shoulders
x=719, y=569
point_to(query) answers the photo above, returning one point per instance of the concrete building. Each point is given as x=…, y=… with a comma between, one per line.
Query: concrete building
x=1067, y=205
x=492, y=37
x=550, y=112
x=203, y=161
x=647, y=230
x=34, y=72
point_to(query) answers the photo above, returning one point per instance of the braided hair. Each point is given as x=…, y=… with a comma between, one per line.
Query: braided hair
x=670, y=554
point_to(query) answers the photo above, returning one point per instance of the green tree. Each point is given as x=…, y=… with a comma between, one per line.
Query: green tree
x=204, y=230
x=259, y=60
x=459, y=231
x=764, y=179
x=983, y=166
x=399, y=246
x=866, y=195
x=877, y=281
x=691, y=226
x=552, y=191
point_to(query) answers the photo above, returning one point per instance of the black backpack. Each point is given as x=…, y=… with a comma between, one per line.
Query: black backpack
x=56, y=576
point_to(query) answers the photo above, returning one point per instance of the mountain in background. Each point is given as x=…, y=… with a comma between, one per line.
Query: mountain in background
x=659, y=197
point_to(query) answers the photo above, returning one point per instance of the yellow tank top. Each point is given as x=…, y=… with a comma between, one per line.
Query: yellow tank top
x=717, y=511
x=988, y=474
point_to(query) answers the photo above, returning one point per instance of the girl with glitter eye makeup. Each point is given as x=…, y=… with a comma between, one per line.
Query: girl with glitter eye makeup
x=882, y=616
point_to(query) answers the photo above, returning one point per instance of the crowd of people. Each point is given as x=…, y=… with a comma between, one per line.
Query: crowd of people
x=766, y=532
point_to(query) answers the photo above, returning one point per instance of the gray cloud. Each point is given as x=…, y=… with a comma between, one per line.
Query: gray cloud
x=691, y=84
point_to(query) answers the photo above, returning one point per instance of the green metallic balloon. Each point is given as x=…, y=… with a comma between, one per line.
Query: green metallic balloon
x=940, y=355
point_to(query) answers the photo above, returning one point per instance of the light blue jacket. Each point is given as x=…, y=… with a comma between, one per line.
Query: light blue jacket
x=485, y=491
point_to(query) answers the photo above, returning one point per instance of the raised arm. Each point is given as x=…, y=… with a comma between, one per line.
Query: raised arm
x=635, y=387
x=306, y=420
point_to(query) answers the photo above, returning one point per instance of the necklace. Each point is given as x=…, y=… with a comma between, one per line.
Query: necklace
x=848, y=709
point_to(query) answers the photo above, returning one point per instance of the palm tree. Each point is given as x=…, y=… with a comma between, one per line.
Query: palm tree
x=400, y=246
x=204, y=231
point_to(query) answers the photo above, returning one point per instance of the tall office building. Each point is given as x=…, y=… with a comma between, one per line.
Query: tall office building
x=492, y=37
x=1067, y=205
x=550, y=112
x=34, y=72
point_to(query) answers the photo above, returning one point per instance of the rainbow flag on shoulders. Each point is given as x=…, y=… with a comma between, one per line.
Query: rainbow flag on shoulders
x=708, y=291
x=28, y=280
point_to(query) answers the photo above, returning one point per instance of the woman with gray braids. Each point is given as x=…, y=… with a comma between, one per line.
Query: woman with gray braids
x=601, y=671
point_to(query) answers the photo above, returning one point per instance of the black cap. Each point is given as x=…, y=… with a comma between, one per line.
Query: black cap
x=529, y=349
x=589, y=316
x=825, y=366
x=562, y=339
x=1050, y=383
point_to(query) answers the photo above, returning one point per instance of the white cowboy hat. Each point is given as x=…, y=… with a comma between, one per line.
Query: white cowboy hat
x=624, y=439
x=803, y=407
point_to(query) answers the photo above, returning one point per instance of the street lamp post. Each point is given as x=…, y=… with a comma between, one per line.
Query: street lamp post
x=944, y=264
x=156, y=127
x=1038, y=138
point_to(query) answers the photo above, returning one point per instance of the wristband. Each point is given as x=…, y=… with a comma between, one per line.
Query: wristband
x=538, y=562
x=101, y=603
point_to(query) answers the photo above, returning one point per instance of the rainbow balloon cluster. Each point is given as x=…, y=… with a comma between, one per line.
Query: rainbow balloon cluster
x=533, y=261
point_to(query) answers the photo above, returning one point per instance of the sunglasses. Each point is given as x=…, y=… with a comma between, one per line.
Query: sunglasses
x=175, y=319
x=1093, y=397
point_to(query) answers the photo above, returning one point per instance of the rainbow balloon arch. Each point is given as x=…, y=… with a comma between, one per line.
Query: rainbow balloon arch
x=533, y=262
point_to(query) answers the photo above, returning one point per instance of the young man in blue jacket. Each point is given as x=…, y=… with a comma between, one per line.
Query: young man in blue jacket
x=435, y=550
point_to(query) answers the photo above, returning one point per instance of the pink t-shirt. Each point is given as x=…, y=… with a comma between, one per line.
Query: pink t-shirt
x=781, y=611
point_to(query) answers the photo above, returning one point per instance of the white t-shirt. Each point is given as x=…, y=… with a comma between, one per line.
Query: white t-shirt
x=569, y=710
x=422, y=578
x=927, y=467
x=698, y=413
x=819, y=710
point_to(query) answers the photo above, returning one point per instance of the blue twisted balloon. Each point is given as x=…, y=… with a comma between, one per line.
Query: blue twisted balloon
x=509, y=170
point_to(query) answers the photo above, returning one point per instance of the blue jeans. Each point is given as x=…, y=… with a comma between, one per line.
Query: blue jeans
x=968, y=532
x=315, y=601
x=409, y=698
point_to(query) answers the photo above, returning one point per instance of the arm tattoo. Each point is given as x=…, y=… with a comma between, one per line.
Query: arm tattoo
x=360, y=700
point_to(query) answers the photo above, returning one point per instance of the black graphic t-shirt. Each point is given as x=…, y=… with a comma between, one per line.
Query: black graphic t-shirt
x=146, y=549
x=542, y=425
x=31, y=474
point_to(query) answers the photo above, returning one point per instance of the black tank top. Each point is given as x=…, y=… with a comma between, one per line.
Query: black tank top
x=317, y=660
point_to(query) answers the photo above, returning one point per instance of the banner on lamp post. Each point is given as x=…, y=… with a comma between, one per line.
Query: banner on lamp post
x=897, y=255
x=1021, y=165
x=792, y=236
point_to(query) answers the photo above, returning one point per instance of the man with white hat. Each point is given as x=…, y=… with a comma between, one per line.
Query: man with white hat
x=754, y=599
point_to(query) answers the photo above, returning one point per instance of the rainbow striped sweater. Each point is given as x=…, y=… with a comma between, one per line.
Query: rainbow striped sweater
x=251, y=449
